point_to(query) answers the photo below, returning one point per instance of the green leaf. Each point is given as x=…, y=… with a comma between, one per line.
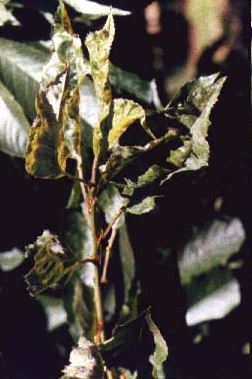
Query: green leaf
x=85, y=362
x=111, y=203
x=94, y=9
x=10, y=260
x=99, y=45
x=127, y=260
x=51, y=264
x=212, y=291
x=161, y=350
x=21, y=72
x=212, y=245
x=131, y=85
x=5, y=14
x=56, y=134
x=79, y=304
x=145, y=206
x=212, y=297
x=125, y=334
x=13, y=125
x=54, y=310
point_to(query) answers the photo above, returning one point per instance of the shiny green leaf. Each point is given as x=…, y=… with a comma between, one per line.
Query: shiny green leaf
x=133, y=86
x=212, y=296
x=13, y=125
x=212, y=245
x=94, y=9
x=21, y=72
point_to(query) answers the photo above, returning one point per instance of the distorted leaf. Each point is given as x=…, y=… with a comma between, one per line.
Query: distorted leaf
x=85, y=362
x=125, y=112
x=56, y=135
x=9, y=260
x=94, y=9
x=51, y=264
x=211, y=246
x=99, y=45
x=192, y=106
x=13, y=125
x=122, y=156
x=160, y=354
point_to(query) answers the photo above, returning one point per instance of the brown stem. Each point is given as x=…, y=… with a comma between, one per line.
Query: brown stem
x=99, y=335
x=112, y=222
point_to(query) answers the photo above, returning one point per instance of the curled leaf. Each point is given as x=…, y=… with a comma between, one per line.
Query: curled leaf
x=192, y=106
x=51, y=264
x=56, y=135
x=85, y=362
x=99, y=45
x=125, y=112
x=160, y=354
